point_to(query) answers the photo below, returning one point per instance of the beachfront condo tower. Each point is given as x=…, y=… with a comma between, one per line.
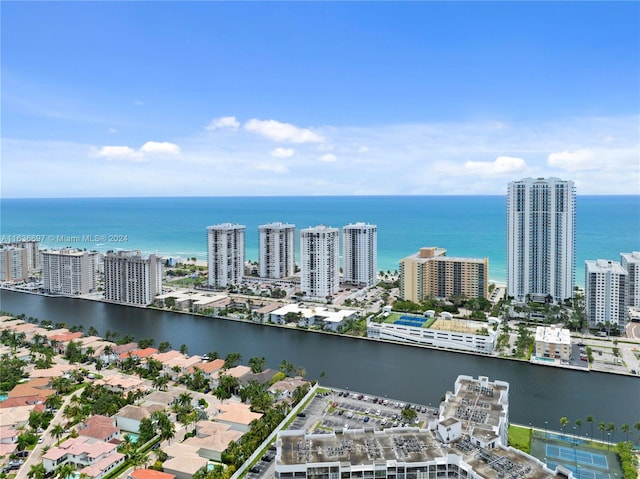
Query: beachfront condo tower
x=14, y=263
x=605, y=294
x=631, y=263
x=319, y=272
x=69, y=271
x=225, y=254
x=277, y=250
x=360, y=251
x=431, y=274
x=541, y=239
x=130, y=278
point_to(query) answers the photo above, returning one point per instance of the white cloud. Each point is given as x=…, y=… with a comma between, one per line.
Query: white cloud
x=150, y=148
x=138, y=102
x=282, y=152
x=502, y=166
x=328, y=158
x=574, y=160
x=160, y=148
x=225, y=122
x=112, y=131
x=283, y=132
x=272, y=167
x=116, y=153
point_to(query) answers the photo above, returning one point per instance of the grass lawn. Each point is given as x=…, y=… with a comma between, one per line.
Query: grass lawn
x=520, y=438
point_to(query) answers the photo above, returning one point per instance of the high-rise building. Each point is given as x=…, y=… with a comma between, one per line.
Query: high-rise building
x=541, y=239
x=431, y=274
x=14, y=264
x=605, y=293
x=69, y=271
x=130, y=278
x=277, y=250
x=33, y=253
x=225, y=254
x=319, y=272
x=631, y=263
x=360, y=251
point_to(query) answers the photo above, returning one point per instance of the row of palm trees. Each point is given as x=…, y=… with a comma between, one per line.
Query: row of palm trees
x=606, y=428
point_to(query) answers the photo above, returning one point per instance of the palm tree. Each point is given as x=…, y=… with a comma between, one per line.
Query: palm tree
x=603, y=427
x=37, y=471
x=611, y=427
x=579, y=426
x=625, y=428
x=184, y=399
x=65, y=470
x=591, y=420
x=636, y=426
x=57, y=431
x=563, y=422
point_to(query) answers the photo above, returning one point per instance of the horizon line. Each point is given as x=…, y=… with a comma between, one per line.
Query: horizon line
x=287, y=196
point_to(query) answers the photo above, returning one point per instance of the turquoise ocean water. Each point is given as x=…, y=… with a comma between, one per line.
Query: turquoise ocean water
x=469, y=226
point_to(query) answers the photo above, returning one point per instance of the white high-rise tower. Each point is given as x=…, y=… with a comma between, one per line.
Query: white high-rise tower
x=631, y=263
x=605, y=293
x=319, y=272
x=541, y=239
x=130, y=278
x=225, y=254
x=360, y=250
x=277, y=247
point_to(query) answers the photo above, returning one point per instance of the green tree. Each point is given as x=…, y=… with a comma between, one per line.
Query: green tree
x=164, y=346
x=409, y=414
x=57, y=432
x=590, y=419
x=65, y=470
x=625, y=428
x=563, y=423
x=37, y=471
x=257, y=365
x=232, y=360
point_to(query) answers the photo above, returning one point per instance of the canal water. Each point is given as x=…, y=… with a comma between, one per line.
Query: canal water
x=539, y=395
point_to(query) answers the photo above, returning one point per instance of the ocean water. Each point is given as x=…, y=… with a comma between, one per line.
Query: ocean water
x=468, y=226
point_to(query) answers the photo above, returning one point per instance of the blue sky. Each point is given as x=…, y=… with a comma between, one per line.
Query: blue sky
x=244, y=98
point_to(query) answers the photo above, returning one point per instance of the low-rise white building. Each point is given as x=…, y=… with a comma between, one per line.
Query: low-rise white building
x=307, y=316
x=553, y=342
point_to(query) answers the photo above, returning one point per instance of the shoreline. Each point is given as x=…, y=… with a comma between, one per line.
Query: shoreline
x=329, y=333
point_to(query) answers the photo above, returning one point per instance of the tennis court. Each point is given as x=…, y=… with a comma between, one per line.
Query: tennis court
x=409, y=321
x=577, y=456
x=580, y=472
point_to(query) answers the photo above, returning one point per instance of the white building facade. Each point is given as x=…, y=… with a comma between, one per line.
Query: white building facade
x=631, y=263
x=69, y=271
x=277, y=250
x=319, y=272
x=360, y=251
x=225, y=254
x=130, y=278
x=541, y=239
x=605, y=293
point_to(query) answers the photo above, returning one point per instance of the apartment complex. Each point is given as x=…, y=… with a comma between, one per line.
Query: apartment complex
x=553, y=342
x=360, y=251
x=319, y=272
x=605, y=293
x=69, y=271
x=541, y=239
x=277, y=250
x=466, y=440
x=33, y=253
x=631, y=263
x=130, y=278
x=14, y=264
x=225, y=254
x=430, y=273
